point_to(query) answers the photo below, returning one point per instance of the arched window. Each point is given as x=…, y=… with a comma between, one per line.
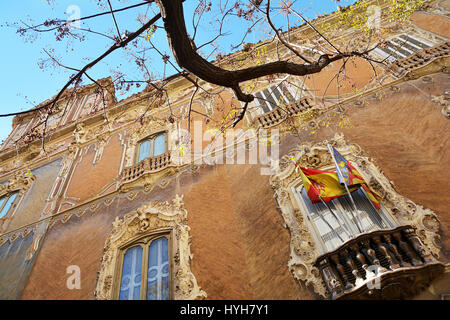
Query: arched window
x=145, y=270
x=152, y=146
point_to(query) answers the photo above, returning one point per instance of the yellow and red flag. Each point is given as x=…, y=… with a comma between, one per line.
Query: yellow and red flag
x=323, y=183
x=351, y=177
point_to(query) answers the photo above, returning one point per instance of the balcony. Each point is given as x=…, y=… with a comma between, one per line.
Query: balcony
x=144, y=168
x=384, y=264
x=420, y=59
x=279, y=114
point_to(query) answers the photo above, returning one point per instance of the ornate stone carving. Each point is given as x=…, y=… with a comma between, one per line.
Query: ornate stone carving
x=443, y=101
x=21, y=181
x=79, y=133
x=304, y=251
x=149, y=218
x=102, y=139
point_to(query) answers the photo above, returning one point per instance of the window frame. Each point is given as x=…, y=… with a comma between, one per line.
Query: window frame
x=399, y=41
x=13, y=206
x=150, y=138
x=296, y=191
x=144, y=241
x=259, y=104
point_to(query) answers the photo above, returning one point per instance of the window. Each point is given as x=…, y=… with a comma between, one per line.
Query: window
x=6, y=202
x=152, y=146
x=402, y=46
x=268, y=99
x=145, y=273
x=340, y=224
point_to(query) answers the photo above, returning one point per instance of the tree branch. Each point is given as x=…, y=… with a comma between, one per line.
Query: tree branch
x=187, y=57
x=82, y=71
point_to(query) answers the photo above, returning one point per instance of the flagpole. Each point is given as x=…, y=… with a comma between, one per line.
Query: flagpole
x=357, y=219
x=383, y=220
x=304, y=179
x=339, y=223
x=332, y=229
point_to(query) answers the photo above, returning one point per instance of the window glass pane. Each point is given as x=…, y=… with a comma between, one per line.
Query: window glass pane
x=261, y=102
x=159, y=145
x=144, y=150
x=130, y=285
x=414, y=41
x=8, y=204
x=52, y=119
x=279, y=98
x=158, y=270
x=270, y=100
x=331, y=230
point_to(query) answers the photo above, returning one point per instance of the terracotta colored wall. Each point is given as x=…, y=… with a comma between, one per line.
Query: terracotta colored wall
x=432, y=22
x=438, y=287
x=33, y=202
x=98, y=175
x=445, y=4
x=358, y=75
x=239, y=244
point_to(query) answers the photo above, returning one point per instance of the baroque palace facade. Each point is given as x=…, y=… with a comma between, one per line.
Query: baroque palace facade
x=118, y=206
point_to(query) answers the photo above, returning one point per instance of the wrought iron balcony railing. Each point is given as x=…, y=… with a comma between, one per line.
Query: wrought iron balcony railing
x=384, y=264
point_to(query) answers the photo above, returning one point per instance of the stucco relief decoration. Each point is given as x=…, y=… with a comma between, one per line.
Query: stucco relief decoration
x=21, y=181
x=444, y=102
x=152, y=217
x=100, y=147
x=79, y=133
x=304, y=251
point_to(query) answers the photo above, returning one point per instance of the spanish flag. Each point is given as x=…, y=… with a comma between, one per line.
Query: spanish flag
x=323, y=183
x=351, y=177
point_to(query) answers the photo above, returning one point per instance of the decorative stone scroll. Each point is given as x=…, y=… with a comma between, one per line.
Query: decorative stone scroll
x=304, y=251
x=150, y=218
x=21, y=181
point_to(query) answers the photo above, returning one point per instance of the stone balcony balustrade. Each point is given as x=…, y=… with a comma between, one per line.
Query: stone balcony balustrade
x=384, y=264
x=144, y=167
x=280, y=113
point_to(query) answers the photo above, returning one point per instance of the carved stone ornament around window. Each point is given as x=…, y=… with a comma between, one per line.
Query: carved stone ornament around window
x=21, y=181
x=150, y=218
x=304, y=250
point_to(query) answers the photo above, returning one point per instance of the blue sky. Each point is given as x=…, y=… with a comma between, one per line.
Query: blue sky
x=24, y=84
